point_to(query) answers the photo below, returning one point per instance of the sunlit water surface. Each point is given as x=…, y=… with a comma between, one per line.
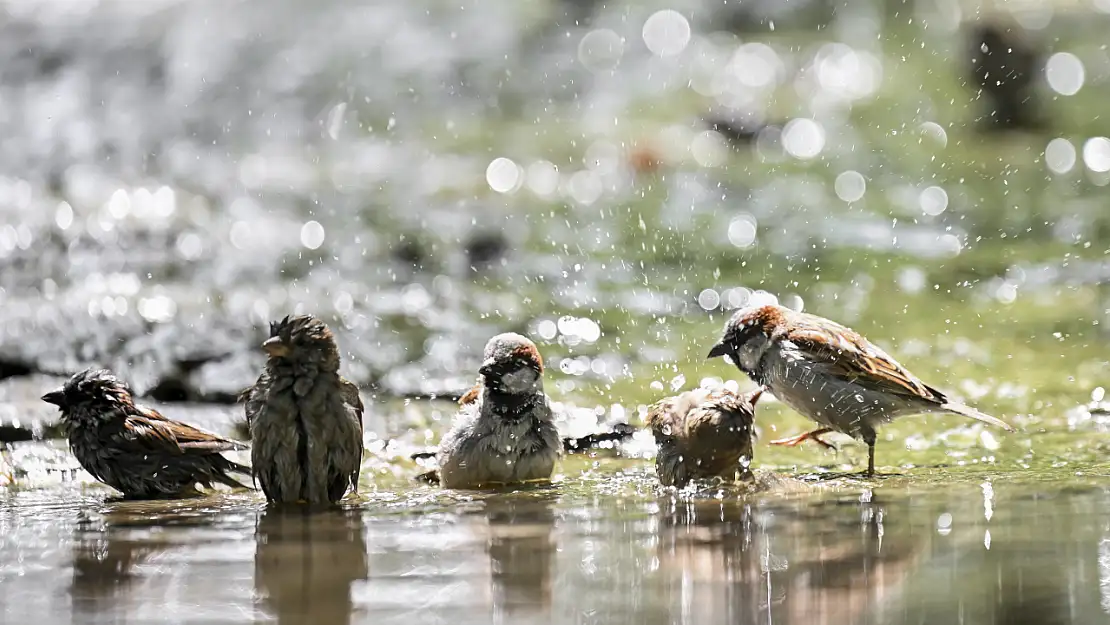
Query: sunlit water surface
x=841, y=554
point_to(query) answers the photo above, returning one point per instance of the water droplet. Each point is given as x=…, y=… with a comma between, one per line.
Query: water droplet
x=1096, y=154
x=600, y=50
x=803, y=138
x=933, y=200
x=547, y=329
x=709, y=299
x=850, y=186
x=742, y=231
x=503, y=175
x=666, y=33
x=543, y=178
x=63, y=215
x=312, y=235
x=1065, y=73
x=1059, y=155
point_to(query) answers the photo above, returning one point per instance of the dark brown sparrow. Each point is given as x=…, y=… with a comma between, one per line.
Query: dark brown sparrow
x=134, y=449
x=703, y=433
x=503, y=433
x=305, y=420
x=829, y=374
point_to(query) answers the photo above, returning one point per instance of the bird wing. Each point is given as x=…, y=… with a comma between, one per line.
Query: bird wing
x=349, y=392
x=351, y=397
x=659, y=416
x=471, y=395
x=253, y=398
x=147, y=427
x=848, y=355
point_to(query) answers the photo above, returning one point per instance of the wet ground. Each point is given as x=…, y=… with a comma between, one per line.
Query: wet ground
x=176, y=175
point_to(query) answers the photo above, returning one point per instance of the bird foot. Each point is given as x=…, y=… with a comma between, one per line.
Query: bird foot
x=814, y=436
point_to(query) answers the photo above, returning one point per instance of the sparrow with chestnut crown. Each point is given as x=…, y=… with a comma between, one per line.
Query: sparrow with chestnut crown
x=830, y=374
x=503, y=433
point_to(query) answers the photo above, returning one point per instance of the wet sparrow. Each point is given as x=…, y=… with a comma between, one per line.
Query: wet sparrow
x=134, y=449
x=305, y=420
x=703, y=433
x=829, y=374
x=503, y=432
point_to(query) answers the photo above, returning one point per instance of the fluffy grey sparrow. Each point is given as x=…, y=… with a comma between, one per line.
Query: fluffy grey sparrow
x=503, y=432
x=830, y=374
x=703, y=433
x=135, y=449
x=305, y=420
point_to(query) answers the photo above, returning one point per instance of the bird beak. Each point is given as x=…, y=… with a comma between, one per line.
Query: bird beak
x=720, y=349
x=56, y=397
x=487, y=367
x=755, y=395
x=275, y=347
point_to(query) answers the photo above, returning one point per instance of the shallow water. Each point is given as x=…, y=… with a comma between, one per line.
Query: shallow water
x=842, y=554
x=177, y=174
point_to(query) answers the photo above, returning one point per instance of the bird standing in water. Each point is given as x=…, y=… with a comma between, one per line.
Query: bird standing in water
x=134, y=449
x=305, y=420
x=830, y=374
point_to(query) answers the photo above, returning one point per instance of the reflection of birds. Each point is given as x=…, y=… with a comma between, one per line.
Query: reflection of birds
x=305, y=562
x=711, y=561
x=521, y=553
x=102, y=567
x=703, y=433
x=503, y=433
x=134, y=449
x=729, y=561
x=1004, y=67
x=829, y=374
x=849, y=571
x=305, y=420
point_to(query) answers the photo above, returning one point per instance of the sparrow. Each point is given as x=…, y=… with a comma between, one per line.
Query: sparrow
x=503, y=432
x=703, y=433
x=305, y=420
x=829, y=374
x=134, y=449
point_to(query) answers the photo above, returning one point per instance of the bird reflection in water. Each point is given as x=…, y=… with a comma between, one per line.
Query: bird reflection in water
x=104, y=565
x=306, y=561
x=741, y=561
x=521, y=548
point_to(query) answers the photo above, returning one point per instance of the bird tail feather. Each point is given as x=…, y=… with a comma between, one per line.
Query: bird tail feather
x=971, y=413
x=222, y=474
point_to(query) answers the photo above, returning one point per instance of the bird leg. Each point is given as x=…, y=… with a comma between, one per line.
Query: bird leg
x=869, y=437
x=794, y=441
